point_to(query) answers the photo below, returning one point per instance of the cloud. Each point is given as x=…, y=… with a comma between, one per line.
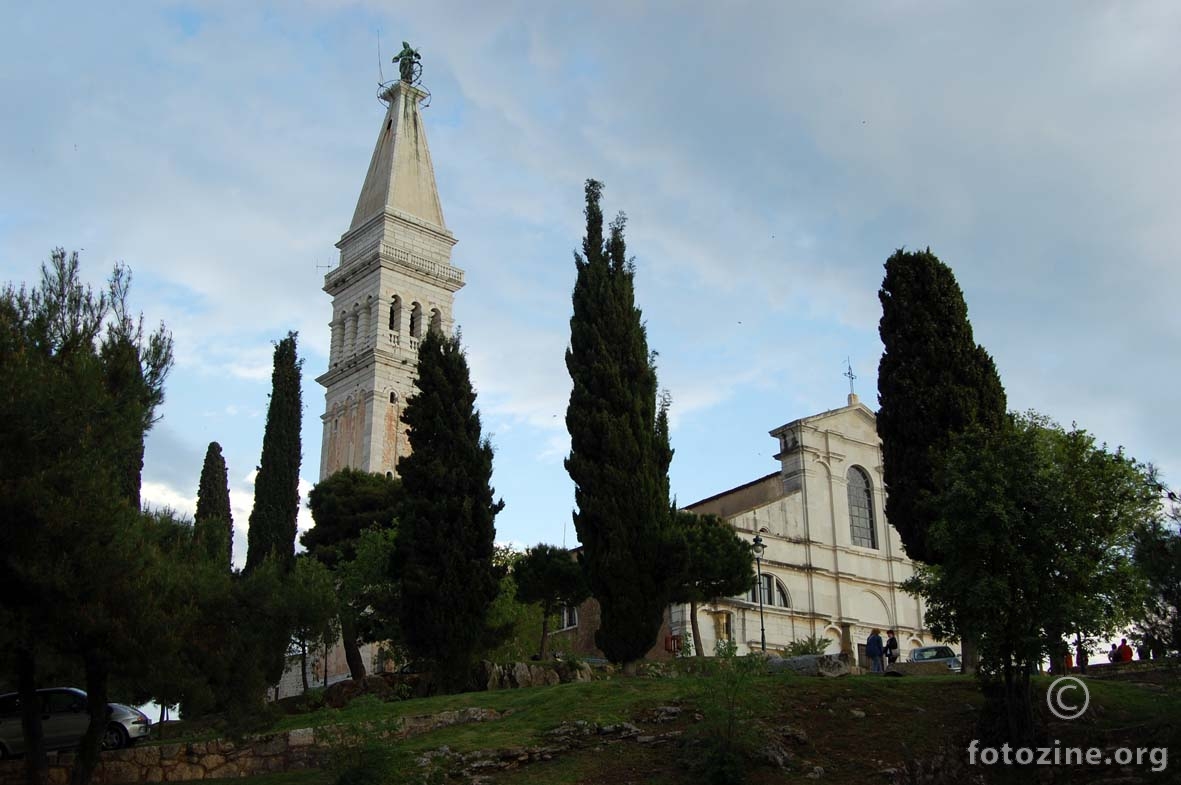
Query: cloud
x=768, y=161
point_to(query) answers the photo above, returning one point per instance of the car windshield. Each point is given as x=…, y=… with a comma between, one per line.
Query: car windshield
x=934, y=653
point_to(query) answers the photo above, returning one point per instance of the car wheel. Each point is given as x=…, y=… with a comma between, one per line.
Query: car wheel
x=115, y=738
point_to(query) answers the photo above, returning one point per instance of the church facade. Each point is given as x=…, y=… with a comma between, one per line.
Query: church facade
x=832, y=564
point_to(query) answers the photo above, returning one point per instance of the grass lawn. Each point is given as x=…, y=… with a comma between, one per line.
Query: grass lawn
x=853, y=728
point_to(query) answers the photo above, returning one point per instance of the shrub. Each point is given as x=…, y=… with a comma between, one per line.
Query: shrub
x=811, y=645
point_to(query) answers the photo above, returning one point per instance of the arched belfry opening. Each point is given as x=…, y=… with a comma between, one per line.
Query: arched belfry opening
x=394, y=281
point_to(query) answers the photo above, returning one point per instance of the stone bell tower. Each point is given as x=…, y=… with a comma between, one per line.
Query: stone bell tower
x=394, y=282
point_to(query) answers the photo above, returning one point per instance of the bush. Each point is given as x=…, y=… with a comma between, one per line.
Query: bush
x=727, y=738
x=812, y=645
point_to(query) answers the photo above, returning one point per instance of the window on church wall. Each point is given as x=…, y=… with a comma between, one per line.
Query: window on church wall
x=861, y=523
x=567, y=617
x=396, y=314
x=774, y=593
x=416, y=321
x=436, y=321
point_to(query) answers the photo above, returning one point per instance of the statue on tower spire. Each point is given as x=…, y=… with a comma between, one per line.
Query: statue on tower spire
x=409, y=64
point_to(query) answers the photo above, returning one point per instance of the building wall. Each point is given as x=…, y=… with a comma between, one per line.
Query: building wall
x=579, y=640
x=835, y=588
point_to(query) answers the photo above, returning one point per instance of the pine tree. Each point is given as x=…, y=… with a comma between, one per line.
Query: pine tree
x=551, y=577
x=214, y=522
x=619, y=453
x=718, y=564
x=276, y=486
x=77, y=573
x=343, y=507
x=934, y=381
x=445, y=540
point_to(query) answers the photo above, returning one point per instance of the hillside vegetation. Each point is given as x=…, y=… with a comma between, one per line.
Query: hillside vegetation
x=694, y=728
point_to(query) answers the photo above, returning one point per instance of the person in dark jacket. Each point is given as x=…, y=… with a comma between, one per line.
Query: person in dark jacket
x=874, y=650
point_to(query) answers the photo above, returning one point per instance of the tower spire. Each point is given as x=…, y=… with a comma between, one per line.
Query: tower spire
x=401, y=178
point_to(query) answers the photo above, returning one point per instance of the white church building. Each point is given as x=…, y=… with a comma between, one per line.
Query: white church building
x=831, y=565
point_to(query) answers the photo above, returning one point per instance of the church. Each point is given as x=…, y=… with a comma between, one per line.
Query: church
x=394, y=281
x=831, y=565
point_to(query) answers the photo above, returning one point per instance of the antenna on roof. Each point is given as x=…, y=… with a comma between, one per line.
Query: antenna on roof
x=848, y=374
x=380, y=73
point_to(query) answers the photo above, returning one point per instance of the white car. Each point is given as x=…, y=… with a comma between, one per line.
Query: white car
x=64, y=720
x=941, y=654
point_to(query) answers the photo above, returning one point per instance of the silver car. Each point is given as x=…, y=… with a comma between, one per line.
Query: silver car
x=941, y=654
x=64, y=720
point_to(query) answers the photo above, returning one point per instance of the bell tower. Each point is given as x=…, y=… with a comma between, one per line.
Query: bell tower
x=393, y=283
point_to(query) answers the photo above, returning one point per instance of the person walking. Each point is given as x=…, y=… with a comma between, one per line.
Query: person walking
x=874, y=650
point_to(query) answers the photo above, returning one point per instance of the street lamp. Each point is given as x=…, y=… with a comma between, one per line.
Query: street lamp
x=758, y=547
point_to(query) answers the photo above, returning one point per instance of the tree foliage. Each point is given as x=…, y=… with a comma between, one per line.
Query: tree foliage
x=619, y=452
x=1035, y=531
x=79, y=386
x=344, y=506
x=551, y=577
x=1158, y=559
x=934, y=381
x=214, y=521
x=445, y=545
x=718, y=564
x=276, y=486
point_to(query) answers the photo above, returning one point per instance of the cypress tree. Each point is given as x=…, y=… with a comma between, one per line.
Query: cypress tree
x=619, y=452
x=276, y=486
x=445, y=539
x=934, y=381
x=214, y=522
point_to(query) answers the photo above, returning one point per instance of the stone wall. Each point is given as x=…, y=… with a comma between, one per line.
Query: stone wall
x=297, y=749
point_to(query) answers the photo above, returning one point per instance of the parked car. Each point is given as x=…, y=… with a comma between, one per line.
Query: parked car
x=64, y=720
x=936, y=654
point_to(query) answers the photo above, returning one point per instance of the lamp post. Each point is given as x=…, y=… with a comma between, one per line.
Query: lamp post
x=758, y=547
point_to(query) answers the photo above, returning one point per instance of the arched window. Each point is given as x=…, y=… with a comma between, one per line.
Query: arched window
x=396, y=314
x=436, y=321
x=861, y=523
x=774, y=593
x=416, y=321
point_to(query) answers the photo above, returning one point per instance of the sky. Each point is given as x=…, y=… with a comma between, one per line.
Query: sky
x=769, y=156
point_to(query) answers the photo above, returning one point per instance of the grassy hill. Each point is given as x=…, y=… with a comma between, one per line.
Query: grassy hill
x=851, y=730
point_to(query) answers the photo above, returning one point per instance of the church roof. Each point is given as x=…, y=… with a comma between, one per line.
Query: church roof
x=401, y=178
x=854, y=405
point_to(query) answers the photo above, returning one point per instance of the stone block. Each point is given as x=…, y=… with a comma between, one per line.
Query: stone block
x=520, y=675
x=809, y=665
x=184, y=771
x=301, y=737
x=115, y=772
x=921, y=669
